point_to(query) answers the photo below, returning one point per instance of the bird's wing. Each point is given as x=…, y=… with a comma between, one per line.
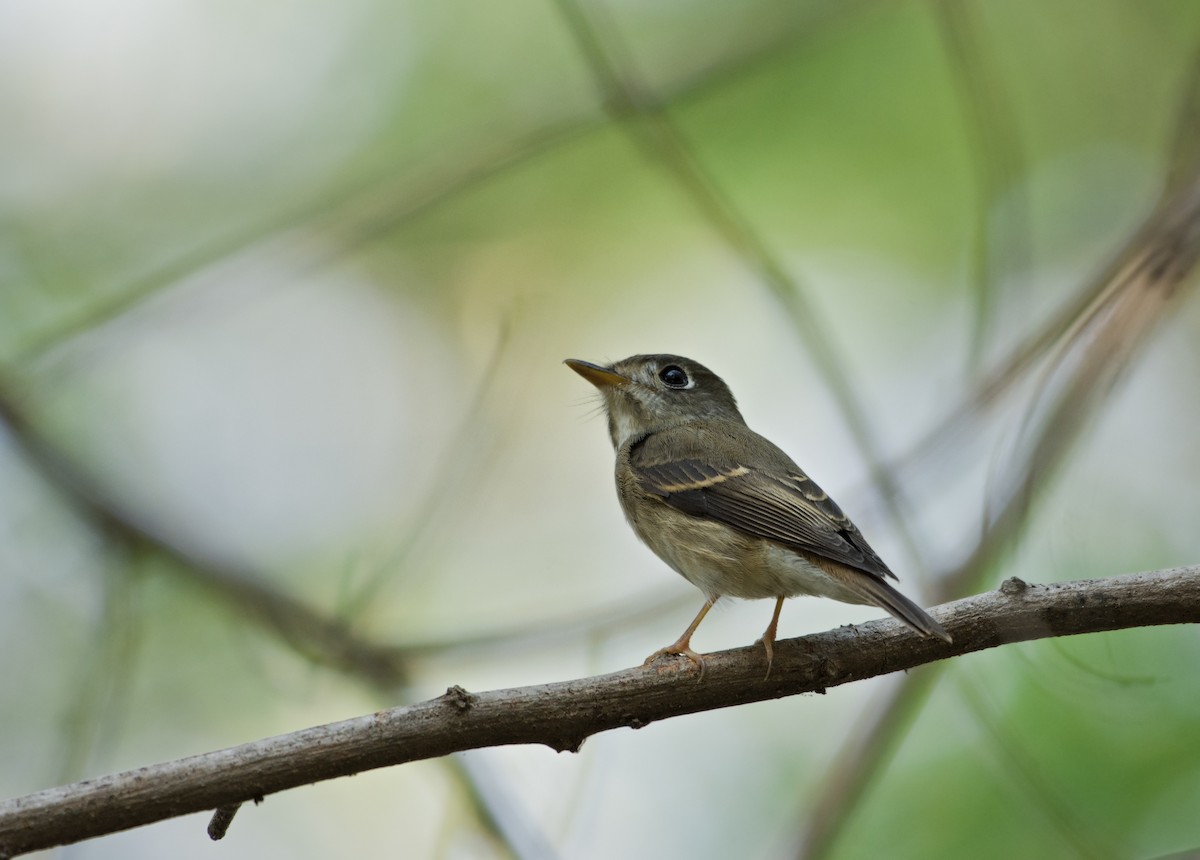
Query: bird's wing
x=788, y=508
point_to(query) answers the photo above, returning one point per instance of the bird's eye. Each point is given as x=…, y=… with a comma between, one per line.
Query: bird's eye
x=673, y=376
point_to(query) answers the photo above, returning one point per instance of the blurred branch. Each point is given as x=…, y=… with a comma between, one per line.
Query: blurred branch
x=355, y=214
x=323, y=639
x=1107, y=323
x=1131, y=299
x=1036, y=789
x=863, y=753
x=652, y=128
x=494, y=803
x=930, y=450
x=106, y=671
x=562, y=715
x=462, y=460
x=1184, y=158
x=1150, y=276
x=1185, y=148
x=1000, y=234
x=346, y=219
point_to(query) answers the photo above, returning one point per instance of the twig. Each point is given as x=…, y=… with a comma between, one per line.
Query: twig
x=218, y=825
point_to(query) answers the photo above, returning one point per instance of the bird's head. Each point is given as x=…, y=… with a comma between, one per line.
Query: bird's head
x=646, y=393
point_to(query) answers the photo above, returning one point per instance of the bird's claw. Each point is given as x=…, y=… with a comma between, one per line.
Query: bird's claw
x=769, y=647
x=671, y=650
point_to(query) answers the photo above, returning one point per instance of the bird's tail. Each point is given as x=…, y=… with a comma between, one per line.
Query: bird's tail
x=874, y=590
x=886, y=597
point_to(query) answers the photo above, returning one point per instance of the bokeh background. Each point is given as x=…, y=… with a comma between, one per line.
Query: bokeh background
x=284, y=291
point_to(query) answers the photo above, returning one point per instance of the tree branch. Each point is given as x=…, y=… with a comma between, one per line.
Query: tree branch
x=562, y=715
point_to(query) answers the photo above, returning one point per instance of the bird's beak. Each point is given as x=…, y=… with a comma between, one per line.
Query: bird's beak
x=601, y=377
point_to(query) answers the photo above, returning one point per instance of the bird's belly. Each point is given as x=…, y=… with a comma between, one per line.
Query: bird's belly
x=720, y=560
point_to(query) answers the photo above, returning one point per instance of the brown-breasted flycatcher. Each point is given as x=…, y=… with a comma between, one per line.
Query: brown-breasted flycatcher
x=725, y=507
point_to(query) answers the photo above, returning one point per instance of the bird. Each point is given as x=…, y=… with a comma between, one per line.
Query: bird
x=725, y=507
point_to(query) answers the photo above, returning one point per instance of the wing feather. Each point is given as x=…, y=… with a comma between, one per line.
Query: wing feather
x=789, y=509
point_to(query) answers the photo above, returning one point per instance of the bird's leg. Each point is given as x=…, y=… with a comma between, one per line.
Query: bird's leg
x=683, y=645
x=768, y=637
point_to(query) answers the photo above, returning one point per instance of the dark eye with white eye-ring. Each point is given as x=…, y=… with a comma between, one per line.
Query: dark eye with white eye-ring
x=673, y=376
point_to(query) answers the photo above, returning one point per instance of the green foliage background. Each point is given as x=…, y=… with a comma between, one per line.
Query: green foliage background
x=283, y=294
